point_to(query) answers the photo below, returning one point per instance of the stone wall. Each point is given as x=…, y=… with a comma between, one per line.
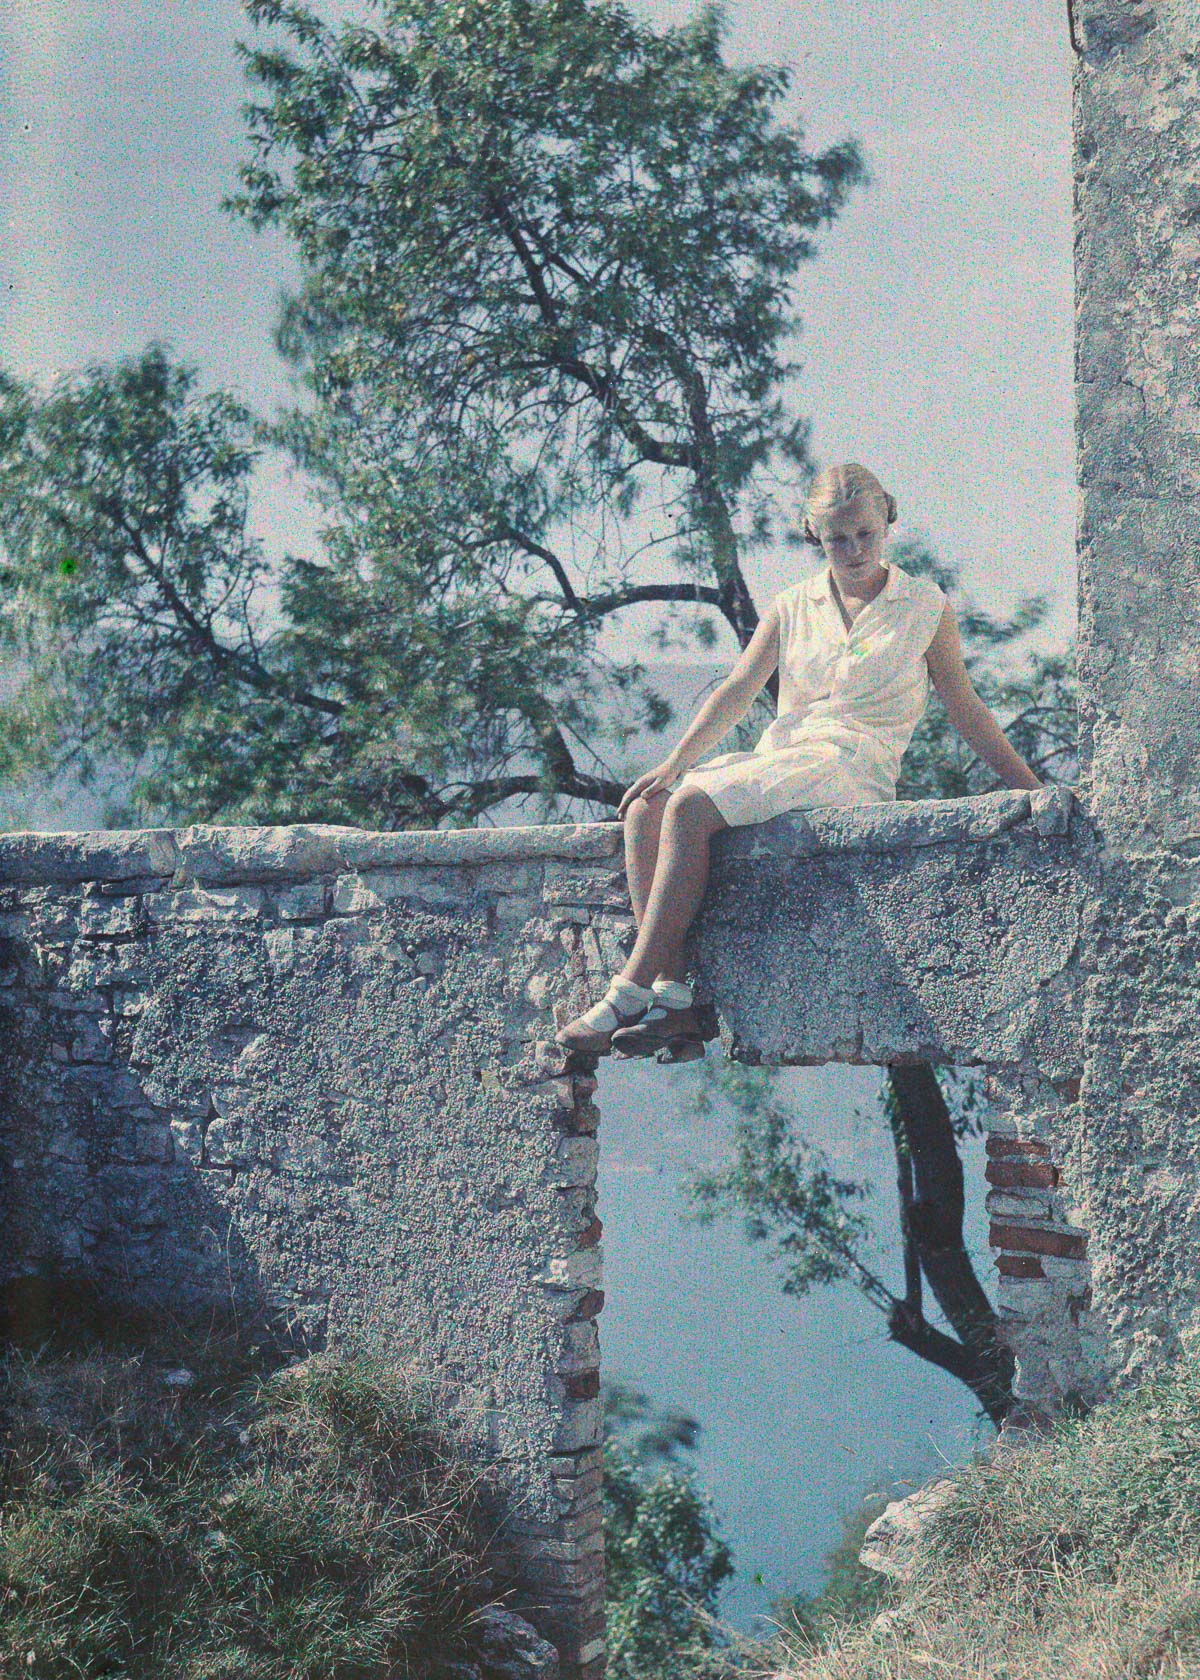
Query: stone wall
x=1137, y=226
x=313, y=1070
x=307, y=1071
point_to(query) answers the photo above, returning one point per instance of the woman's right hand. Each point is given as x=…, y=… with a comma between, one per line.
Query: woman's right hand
x=651, y=782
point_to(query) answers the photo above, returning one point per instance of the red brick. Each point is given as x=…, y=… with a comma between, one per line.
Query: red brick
x=583, y=1385
x=1029, y=1175
x=591, y=1234
x=591, y=1304
x=1017, y=1146
x=1030, y=1239
x=1068, y=1089
x=1019, y=1265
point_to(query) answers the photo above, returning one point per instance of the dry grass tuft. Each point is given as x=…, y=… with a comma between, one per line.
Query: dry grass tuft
x=260, y=1522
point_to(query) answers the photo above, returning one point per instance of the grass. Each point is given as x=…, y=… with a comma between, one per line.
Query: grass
x=307, y=1522
x=265, y=1521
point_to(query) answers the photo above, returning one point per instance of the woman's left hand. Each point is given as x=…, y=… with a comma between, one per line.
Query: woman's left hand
x=649, y=783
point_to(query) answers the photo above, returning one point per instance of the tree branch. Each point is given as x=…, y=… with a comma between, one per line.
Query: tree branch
x=595, y=606
x=548, y=555
x=941, y=1350
x=567, y=360
x=936, y=1218
x=253, y=675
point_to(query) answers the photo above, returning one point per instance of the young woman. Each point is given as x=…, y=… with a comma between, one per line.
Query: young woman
x=856, y=647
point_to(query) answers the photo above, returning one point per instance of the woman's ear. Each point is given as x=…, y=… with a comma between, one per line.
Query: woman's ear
x=810, y=536
x=893, y=512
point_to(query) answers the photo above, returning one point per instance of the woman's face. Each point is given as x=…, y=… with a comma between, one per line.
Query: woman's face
x=852, y=536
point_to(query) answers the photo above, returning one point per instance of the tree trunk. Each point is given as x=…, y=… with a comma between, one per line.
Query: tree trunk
x=932, y=1222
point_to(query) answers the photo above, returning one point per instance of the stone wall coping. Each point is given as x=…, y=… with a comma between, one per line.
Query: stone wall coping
x=235, y=854
x=903, y=824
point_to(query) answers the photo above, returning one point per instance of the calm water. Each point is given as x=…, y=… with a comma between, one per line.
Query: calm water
x=803, y=1404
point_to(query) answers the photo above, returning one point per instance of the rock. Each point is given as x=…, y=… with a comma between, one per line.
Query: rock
x=509, y=1649
x=890, y=1544
x=896, y=1621
x=180, y=1378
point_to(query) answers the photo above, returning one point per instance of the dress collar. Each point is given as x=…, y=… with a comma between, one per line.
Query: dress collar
x=817, y=587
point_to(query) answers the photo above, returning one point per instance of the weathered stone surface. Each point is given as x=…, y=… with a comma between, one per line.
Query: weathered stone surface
x=354, y=1123
x=512, y=1650
x=1137, y=153
x=891, y=1544
x=1137, y=1126
x=878, y=828
x=959, y=950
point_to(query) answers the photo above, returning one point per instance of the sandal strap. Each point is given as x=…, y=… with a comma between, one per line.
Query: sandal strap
x=660, y=1010
x=619, y=1007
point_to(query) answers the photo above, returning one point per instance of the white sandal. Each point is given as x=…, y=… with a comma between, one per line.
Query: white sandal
x=622, y=1005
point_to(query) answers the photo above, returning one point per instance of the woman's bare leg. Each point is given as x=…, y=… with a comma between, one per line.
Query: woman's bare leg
x=643, y=825
x=680, y=875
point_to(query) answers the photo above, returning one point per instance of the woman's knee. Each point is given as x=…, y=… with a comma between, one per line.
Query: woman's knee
x=645, y=814
x=691, y=810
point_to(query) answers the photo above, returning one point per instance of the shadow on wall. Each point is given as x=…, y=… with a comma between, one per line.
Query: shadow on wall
x=98, y=1203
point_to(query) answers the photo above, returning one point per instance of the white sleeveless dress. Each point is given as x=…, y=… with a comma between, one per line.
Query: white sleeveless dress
x=849, y=701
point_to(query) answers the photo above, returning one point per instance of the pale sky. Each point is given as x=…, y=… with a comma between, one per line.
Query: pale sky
x=938, y=317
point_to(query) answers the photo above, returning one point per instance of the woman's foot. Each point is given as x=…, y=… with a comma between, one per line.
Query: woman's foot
x=672, y=1024
x=622, y=1005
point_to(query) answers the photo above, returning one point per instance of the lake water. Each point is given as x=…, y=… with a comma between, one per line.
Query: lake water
x=804, y=1404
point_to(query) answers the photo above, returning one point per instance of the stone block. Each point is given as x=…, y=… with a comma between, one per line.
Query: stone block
x=878, y=828
x=580, y=1424
x=1004, y=1203
x=304, y=902
x=109, y=918
x=580, y=1270
x=568, y=884
x=892, y=1543
x=223, y=1142
x=101, y=855
x=576, y=1161
x=189, y=1139
x=204, y=904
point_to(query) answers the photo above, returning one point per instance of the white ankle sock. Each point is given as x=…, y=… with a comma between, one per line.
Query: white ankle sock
x=627, y=997
x=675, y=994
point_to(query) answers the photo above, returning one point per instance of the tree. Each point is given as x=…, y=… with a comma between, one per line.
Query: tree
x=664, y=1564
x=543, y=341
x=135, y=597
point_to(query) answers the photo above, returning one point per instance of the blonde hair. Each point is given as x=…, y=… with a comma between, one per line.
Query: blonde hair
x=835, y=486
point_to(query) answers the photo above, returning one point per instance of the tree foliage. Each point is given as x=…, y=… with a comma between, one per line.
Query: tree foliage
x=1031, y=691
x=664, y=1563
x=544, y=344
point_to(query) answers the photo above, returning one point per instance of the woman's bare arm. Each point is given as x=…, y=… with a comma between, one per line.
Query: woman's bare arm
x=724, y=708
x=967, y=711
